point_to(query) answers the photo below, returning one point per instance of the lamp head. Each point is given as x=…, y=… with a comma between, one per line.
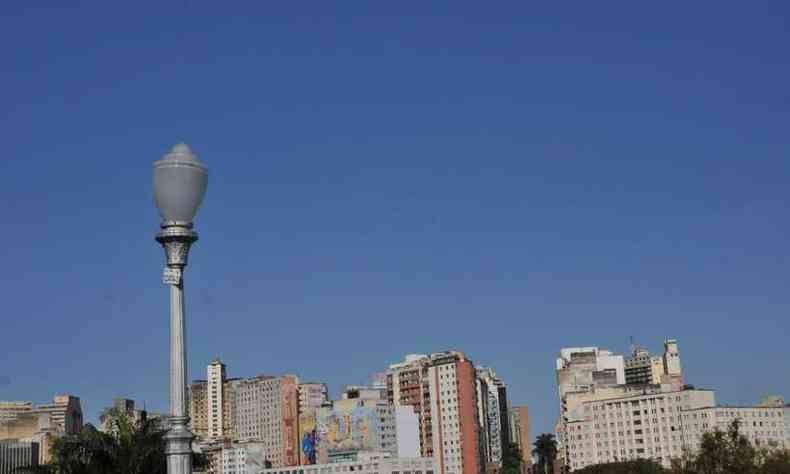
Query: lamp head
x=180, y=182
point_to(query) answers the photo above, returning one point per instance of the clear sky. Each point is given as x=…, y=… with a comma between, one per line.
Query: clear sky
x=502, y=178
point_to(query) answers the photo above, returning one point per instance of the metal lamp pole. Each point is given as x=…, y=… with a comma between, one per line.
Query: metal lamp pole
x=180, y=182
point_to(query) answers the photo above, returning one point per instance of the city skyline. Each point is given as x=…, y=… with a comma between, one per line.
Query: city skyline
x=390, y=180
x=336, y=391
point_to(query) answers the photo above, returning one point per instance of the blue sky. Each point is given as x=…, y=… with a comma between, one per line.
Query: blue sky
x=502, y=178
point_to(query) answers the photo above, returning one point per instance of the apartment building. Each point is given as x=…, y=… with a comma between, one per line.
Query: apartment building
x=453, y=402
x=406, y=386
x=492, y=416
x=63, y=414
x=262, y=409
x=215, y=395
x=648, y=425
x=764, y=426
x=210, y=404
x=197, y=398
x=265, y=409
x=442, y=390
x=519, y=423
x=642, y=368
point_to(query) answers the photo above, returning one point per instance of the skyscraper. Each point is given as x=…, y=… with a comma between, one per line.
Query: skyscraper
x=442, y=390
x=215, y=388
x=453, y=403
x=492, y=416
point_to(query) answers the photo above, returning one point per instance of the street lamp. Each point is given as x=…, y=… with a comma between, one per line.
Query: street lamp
x=180, y=182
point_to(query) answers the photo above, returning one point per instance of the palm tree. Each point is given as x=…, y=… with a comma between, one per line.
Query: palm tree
x=128, y=447
x=546, y=452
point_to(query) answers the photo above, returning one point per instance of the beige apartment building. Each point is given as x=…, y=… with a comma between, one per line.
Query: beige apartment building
x=638, y=426
x=26, y=422
x=263, y=409
x=63, y=414
x=664, y=425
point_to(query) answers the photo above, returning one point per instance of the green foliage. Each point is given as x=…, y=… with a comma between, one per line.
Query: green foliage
x=640, y=466
x=511, y=460
x=546, y=453
x=128, y=447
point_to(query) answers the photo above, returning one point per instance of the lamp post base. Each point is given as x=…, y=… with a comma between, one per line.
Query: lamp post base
x=179, y=446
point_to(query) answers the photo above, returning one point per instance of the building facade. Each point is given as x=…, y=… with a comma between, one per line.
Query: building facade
x=493, y=416
x=65, y=413
x=11, y=410
x=312, y=395
x=406, y=386
x=442, y=390
x=197, y=394
x=17, y=454
x=26, y=422
x=452, y=382
x=583, y=369
x=764, y=426
x=215, y=387
x=210, y=404
x=519, y=422
x=265, y=409
x=639, y=426
x=642, y=369
x=366, y=466
x=361, y=422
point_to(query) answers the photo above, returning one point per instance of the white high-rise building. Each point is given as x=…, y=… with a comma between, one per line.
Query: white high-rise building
x=216, y=382
x=491, y=407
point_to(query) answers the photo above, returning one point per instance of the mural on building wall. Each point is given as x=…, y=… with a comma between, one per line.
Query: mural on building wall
x=308, y=436
x=289, y=400
x=348, y=426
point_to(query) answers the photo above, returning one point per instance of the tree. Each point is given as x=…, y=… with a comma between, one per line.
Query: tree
x=546, y=453
x=511, y=460
x=731, y=453
x=128, y=447
x=725, y=453
x=639, y=466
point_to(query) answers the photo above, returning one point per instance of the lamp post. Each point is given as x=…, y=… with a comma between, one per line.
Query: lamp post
x=180, y=182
